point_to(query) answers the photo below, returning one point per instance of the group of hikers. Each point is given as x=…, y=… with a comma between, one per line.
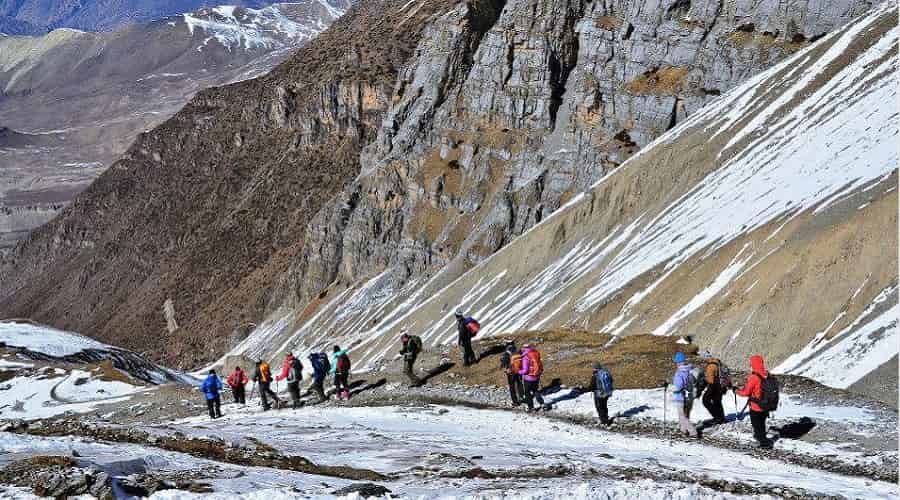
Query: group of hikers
x=523, y=369
x=337, y=365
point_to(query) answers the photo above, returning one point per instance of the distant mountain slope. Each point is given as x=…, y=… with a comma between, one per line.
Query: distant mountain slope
x=94, y=92
x=208, y=208
x=36, y=17
x=765, y=223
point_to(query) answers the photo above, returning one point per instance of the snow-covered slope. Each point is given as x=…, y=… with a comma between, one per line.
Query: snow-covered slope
x=46, y=372
x=766, y=223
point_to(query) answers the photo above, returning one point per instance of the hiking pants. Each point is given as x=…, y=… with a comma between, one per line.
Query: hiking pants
x=340, y=383
x=532, y=392
x=712, y=401
x=294, y=391
x=240, y=394
x=684, y=417
x=408, y=362
x=465, y=345
x=758, y=421
x=319, y=388
x=516, y=388
x=602, y=410
x=264, y=393
x=214, y=406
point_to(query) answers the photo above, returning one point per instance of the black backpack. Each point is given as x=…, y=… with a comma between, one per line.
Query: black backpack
x=768, y=400
x=296, y=371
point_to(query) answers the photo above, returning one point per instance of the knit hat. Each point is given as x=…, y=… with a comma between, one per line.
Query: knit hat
x=597, y=365
x=679, y=357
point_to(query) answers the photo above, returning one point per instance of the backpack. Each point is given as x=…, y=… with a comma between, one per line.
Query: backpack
x=699, y=381
x=603, y=383
x=689, y=391
x=768, y=400
x=295, y=374
x=472, y=325
x=723, y=376
x=324, y=362
x=264, y=374
x=515, y=363
x=416, y=343
x=505, y=360
x=536, y=368
x=343, y=364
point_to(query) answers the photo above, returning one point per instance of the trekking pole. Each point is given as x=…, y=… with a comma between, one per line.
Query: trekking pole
x=665, y=397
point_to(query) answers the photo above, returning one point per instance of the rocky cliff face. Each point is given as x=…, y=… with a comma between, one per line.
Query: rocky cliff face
x=501, y=114
x=764, y=223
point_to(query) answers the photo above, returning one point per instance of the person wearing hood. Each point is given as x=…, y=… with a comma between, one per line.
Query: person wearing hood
x=211, y=388
x=511, y=363
x=340, y=367
x=683, y=394
x=531, y=371
x=753, y=391
x=712, y=396
x=238, y=380
x=292, y=370
x=320, y=365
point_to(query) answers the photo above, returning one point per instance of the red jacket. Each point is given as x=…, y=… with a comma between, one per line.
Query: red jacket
x=237, y=378
x=753, y=387
x=286, y=367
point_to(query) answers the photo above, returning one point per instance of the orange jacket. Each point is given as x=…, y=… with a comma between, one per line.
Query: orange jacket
x=753, y=388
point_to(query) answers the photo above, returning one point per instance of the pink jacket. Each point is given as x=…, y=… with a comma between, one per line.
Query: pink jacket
x=526, y=366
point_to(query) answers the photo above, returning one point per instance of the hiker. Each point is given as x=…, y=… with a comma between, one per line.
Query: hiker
x=340, y=367
x=531, y=371
x=511, y=363
x=602, y=385
x=761, y=391
x=237, y=380
x=292, y=370
x=412, y=346
x=467, y=328
x=320, y=366
x=684, y=385
x=211, y=387
x=263, y=377
x=718, y=381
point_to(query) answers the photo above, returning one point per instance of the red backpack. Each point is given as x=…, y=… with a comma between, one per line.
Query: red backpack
x=472, y=325
x=343, y=364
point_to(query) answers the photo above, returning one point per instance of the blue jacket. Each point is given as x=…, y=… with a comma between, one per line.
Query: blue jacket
x=680, y=381
x=318, y=368
x=211, y=386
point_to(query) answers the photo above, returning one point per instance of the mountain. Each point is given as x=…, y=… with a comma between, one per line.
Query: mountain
x=319, y=201
x=37, y=17
x=87, y=96
x=765, y=222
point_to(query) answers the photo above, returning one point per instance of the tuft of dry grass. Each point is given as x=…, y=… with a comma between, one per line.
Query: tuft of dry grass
x=668, y=80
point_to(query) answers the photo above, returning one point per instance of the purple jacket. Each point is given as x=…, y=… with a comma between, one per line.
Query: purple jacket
x=526, y=366
x=680, y=381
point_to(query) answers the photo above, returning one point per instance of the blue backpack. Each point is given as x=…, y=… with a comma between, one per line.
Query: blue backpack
x=603, y=383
